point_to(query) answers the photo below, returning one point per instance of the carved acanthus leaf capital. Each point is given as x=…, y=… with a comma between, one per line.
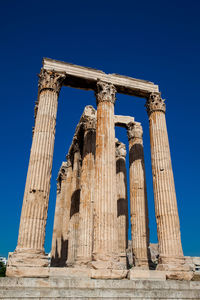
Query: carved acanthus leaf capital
x=155, y=103
x=134, y=130
x=105, y=92
x=120, y=149
x=63, y=170
x=89, y=124
x=50, y=80
x=61, y=175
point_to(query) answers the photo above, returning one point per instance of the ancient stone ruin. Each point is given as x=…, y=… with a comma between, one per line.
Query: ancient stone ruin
x=90, y=235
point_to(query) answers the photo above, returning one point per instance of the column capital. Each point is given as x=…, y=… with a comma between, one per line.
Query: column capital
x=89, y=124
x=155, y=103
x=76, y=147
x=50, y=80
x=134, y=130
x=105, y=92
x=63, y=171
x=120, y=149
x=69, y=161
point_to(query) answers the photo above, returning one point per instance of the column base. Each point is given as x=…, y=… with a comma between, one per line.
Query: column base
x=82, y=262
x=27, y=258
x=175, y=268
x=30, y=272
x=44, y=272
x=123, y=259
x=173, y=264
x=142, y=264
x=72, y=273
x=107, y=262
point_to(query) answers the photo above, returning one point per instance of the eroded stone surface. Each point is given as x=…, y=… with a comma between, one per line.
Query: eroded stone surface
x=90, y=226
x=138, y=197
x=168, y=226
x=84, y=289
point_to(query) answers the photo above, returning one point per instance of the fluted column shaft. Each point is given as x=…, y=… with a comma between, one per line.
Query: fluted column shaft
x=67, y=207
x=74, y=209
x=84, y=252
x=122, y=201
x=168, y=226
x=58, y=242
x=138, y=197
x=36, y=196
x=105, y=209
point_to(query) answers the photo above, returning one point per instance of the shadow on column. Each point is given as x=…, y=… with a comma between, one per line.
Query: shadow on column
x=60, y=260
x=75, y=203
x=122, y=203
x=137, y=153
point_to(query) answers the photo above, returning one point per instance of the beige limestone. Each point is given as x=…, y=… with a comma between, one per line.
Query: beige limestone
x=122, y=201
x=59, y=240
x=123, y=121
x=75, y=204
x=33, y=272
x=86, y=78
x=168, y=226
x=87, y=195
x=108, y=274
x=70, y=272
x=135, y=274
x=90, y=289
x=138, y=197
x=90, y=227
x=66, y=214
x=36, y=196
x=105, y=244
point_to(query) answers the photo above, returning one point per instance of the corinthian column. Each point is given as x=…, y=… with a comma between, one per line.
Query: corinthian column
x=30, y=247
x=84, y=252
x=74, y=208
x=105, y=251
x=122, y=201
x=58, y=250
x=168, y=227
x=67, y=206
x=138, y=197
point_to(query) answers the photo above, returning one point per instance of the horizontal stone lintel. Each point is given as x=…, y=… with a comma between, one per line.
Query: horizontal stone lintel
x=123, y=121
x=86, y=78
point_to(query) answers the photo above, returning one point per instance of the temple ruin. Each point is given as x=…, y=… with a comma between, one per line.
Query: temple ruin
x=90, y=235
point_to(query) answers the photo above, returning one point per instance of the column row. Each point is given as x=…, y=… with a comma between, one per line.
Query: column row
x=101, y=218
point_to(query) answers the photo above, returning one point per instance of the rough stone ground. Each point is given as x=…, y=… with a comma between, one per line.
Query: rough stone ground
x=65, y=288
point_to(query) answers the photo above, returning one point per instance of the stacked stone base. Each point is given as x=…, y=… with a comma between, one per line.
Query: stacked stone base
x=82, y=272
x=82, y=288
x=65, y=272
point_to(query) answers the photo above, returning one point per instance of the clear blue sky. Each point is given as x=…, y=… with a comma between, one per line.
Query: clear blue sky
x=153, y=40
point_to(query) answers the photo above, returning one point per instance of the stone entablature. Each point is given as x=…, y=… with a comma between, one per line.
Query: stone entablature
x=86, y=78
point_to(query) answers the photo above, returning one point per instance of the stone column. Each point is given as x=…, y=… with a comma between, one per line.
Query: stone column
x=74, y=209
x=30, y=247
x=168, y=227
x=138, y=197
x=58, y=250
x=105, y=251
x=84, y=253
x=67, y=207
x=122, y=201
